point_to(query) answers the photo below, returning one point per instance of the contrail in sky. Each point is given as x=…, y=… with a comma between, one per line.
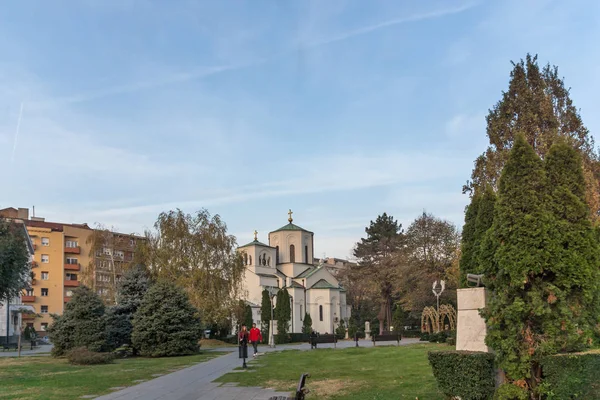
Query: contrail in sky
x=12, y=157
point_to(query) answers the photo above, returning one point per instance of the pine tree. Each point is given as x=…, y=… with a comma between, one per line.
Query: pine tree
x=573, y=283
x=307, y=324
x=537, y=105
x=166, y=323
x=468, y=262
x=265, y=310
x=283, y=312
x=130, y=292
x=248, y=316
x=483, y=222
x=516, y=256
x=81, y=325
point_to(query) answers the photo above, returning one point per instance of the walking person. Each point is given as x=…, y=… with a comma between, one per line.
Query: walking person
x=255, y=337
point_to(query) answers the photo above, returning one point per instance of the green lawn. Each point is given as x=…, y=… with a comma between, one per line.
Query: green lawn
x=50, y=378
x=380, y=373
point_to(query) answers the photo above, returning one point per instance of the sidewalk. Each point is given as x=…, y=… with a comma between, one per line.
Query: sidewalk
x=38, y=351
x=196, y=382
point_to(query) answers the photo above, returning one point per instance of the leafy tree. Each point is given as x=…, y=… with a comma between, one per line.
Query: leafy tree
x=283, y=312
x=81, y=325
x=14, y=260
x=430, y=254
x=377, y=264
x=540, y=260
x=265, y=310
x=399, y=317
x=537, y=105
x=196, y=252
x=166, y=323
x=468, y=262
x=130, y=292
x=307, y=324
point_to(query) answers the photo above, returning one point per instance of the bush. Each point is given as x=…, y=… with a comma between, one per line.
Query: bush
x=468, y=375
x=299, y=337
x=509, y=391
x=424, y=337
x=568, y=376
x=166, y=323
x=411, y=333
x=282, y=338
x=83, y=356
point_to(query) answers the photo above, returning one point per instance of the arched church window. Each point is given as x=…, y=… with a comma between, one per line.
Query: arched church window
x=277, y=254
x=320, y=313
x=292, y=253
x=250, y=260
x=269, y=261
x=245, y=258
x=306, y=254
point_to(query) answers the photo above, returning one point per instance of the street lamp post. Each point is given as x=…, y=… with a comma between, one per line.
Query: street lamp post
x=437, y=296
x=271, y=338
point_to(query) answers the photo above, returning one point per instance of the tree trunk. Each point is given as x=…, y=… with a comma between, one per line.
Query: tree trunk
x=19, y=343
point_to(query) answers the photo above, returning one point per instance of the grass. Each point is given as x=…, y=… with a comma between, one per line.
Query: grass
x=49, y=378
x=380, y=373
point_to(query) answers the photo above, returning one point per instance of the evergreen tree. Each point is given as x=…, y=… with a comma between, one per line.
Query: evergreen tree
x=166, y=323
x=468, y=262
x=130, y=292
x=516, y=256
x=307, y=324
x=573, y=283
x=265, y=310
x=537, y=105
x=283, y=312
x=81, y=325
x=14, y=260
x=483, y=222
x=248, y=316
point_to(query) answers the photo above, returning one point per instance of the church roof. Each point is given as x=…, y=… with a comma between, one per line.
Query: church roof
x=291, y=227
x=323, y=284
x=256, y=243
x=267, y=275
x=296, y=285
x=308, y=272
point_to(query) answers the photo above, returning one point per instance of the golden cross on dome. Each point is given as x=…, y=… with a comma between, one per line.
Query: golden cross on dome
x=255, y=235
x=290, y=214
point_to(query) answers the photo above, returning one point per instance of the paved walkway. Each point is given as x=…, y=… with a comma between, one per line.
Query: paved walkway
x=45, y=348
x=196, y=382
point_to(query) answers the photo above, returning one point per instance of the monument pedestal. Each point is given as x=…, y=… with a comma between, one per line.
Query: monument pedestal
x=471, y=328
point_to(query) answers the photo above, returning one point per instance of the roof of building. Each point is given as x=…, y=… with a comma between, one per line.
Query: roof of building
x=256, y=243
x=323, y=284
x=267, y=275
x=291, y=227
x=43, y=224
x=296, y=285
x=308, y=272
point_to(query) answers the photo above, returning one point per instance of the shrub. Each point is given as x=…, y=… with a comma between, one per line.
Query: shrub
x=468, y=375
x=166, y=323
x=299, y=337
x=568, y=376
x=510, y=391
x=282, y=338
x=411, y=333
x=424, y=337
x=83, y=356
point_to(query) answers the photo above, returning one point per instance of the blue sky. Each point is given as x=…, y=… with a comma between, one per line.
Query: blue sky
x=112, y=111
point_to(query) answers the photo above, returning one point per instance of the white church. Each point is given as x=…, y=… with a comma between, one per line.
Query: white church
x=287, y=261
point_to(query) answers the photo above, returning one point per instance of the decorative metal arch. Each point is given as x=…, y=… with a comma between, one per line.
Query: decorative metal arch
x=447, y=311
x=429, y=320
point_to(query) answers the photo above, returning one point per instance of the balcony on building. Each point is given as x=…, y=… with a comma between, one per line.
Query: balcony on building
x=72, y=266
x=72, y=250
x=67, y=299
x=27, y=299
x=27, y=317
x=71, y=283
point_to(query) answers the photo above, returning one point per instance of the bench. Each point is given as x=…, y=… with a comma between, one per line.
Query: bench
x=387, y=337
x=10, y=346
x=314, y=340
x=301, y=391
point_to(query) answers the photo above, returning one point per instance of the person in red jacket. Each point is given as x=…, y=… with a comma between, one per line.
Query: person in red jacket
x=255, y=337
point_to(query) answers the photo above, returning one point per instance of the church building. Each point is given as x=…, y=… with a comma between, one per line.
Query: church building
x=287, y=262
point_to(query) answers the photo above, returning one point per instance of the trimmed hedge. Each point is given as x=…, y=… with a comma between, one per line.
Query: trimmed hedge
x=570, y=376
x=468, y=375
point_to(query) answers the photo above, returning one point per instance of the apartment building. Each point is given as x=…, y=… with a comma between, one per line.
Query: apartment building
x=66, y=256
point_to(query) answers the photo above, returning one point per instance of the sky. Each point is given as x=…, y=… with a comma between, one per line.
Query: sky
x=112, y=111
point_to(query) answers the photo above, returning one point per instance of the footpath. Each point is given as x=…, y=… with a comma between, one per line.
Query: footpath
x=196, y=382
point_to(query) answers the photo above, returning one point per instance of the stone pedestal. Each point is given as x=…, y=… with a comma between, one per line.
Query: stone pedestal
x=367, y=330
x=471, y=328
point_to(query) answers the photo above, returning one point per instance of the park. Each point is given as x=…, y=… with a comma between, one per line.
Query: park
x=505, y=308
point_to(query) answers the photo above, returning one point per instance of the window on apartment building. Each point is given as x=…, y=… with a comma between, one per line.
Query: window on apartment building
x=44, y=292
x=29, y=292
x=44, y=310
x=44, y=326
x=71, y=243
x=71, y=277
x=320, y=313
x=44, y=275
x=106, y=251
x=131, y=242
x=45, y=258
x=119, y=254
x=71, y=261
x=45, y=241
